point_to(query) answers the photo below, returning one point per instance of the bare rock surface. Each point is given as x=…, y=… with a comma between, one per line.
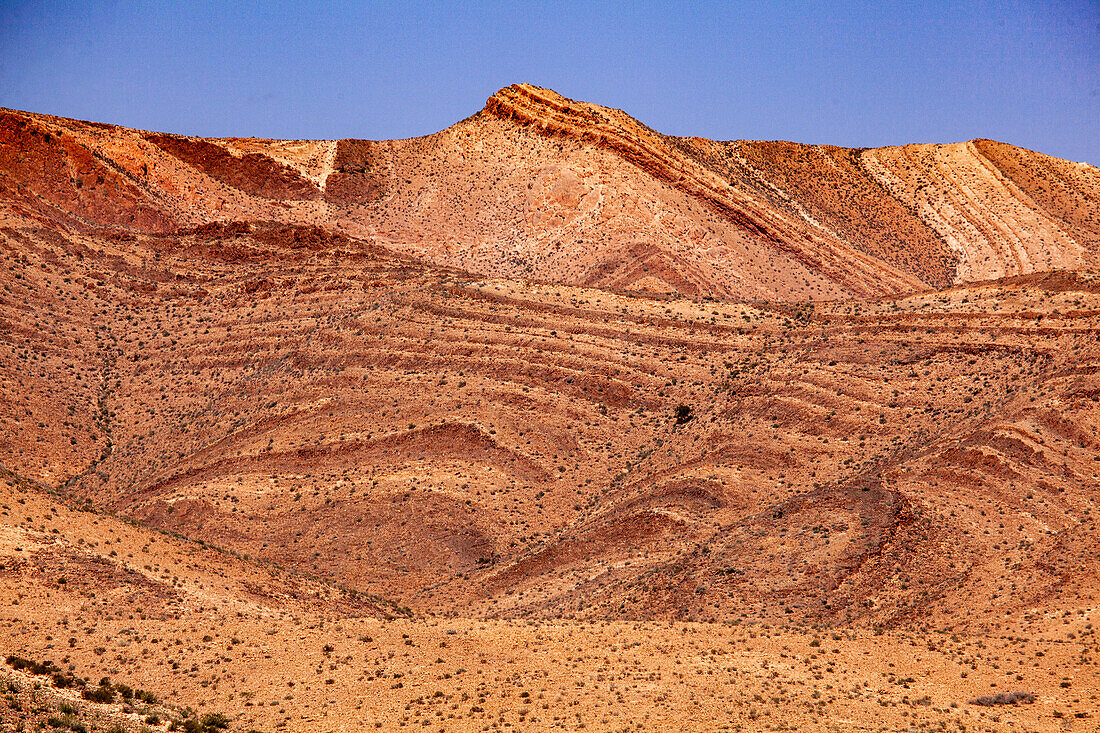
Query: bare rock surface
x=549, y=418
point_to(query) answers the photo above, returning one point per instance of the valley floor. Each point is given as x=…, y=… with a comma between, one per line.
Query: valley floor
x=297, y=672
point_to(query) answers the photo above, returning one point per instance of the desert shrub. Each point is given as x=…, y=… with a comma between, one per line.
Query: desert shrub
x=1004, y=698
x=208, y=723
x=215, y=721
x=21, y=663
x=101, y=694
x=146, y=696
x=63, y=680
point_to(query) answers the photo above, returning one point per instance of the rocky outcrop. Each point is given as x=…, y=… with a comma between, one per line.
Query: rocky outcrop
x=253, y=173
x=871, y=220
x=660, y=157
x=50, y=176
x=996, y=226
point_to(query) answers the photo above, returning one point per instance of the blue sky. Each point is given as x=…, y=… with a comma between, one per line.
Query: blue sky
x=846, y=73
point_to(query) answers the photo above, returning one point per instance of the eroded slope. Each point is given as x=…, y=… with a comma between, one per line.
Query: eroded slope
x=505, y=448
x=540, y=186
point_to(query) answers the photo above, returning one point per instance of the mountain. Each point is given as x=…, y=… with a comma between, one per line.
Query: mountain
x=539, y=186
x=547, y=366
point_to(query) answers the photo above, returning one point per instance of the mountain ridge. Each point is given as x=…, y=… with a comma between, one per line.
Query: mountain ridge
x=612, y=202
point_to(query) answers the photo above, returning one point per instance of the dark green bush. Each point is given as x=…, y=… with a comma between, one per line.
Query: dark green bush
x=146, y=696
x=101, y=694
x=213, y=721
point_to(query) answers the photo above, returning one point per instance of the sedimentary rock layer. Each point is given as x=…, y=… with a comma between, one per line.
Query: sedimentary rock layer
x=543, y=187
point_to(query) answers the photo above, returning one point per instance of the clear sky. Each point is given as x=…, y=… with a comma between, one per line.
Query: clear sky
x=845, y=73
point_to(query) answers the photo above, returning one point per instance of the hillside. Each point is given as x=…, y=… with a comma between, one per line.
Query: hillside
x=460, y=444
x=539, y=186
x=553, y=390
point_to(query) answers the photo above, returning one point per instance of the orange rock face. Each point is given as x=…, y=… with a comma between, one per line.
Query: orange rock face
x=540, y=186
x=551, y=364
